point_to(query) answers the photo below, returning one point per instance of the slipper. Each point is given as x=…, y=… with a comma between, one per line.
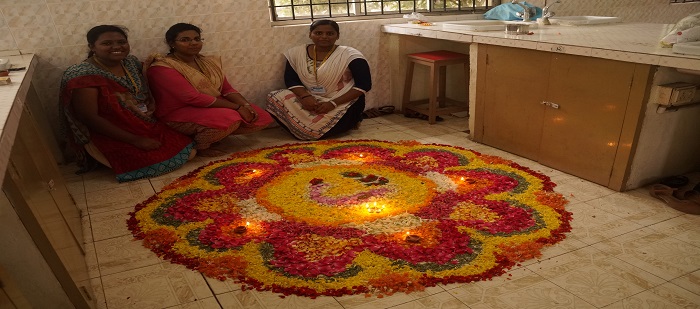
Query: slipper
x=371, y=113
x=665, y=193
x=691, y=195
x=412, y=114
x=387, y=110
x=675, y=181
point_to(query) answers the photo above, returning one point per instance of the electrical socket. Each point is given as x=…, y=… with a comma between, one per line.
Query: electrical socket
x=681, y=96
x=676, y=94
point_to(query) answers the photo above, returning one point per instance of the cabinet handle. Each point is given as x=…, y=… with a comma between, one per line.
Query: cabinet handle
x=550, y=104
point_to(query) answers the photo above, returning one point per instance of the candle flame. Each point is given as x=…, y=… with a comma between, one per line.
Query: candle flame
x=461, y=178
x=247, y=223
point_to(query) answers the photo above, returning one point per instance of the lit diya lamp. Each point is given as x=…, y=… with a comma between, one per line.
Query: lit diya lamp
x=374, y=209
x=412, y=238
x=241, y=228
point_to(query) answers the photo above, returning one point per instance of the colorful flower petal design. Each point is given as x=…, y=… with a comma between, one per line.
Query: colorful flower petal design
x=353, y=217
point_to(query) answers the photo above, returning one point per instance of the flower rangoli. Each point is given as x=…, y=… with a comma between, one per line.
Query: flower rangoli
x=347, y=217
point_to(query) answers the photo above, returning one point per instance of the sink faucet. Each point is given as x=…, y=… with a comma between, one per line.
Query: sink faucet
x=546, y=13
x=527, y=12
x=545, y=10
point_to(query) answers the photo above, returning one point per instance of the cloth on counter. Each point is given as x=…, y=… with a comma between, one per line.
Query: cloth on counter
x=506, y=11
x=686, y=30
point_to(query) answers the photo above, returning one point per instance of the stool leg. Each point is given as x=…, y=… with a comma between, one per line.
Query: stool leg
x=442, y=96
x=407, y=86
x=466, y=78
x=432, y=100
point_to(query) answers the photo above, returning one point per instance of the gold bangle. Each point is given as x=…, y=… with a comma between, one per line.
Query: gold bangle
x=334, y=104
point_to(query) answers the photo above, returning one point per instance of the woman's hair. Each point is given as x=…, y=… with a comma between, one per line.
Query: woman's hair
x=322, y=22
x=96, y=31
x=172, y=33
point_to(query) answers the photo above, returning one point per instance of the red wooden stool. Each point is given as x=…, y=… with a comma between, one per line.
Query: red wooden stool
x=437, y=61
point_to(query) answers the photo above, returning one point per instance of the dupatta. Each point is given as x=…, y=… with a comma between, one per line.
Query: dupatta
x=210, y=81
x=329, y=73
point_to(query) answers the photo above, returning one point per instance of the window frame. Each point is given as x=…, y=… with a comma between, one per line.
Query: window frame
x=360, y=14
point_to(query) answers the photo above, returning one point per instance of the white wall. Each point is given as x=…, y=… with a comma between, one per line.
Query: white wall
x=238, y=30
x=668, y=141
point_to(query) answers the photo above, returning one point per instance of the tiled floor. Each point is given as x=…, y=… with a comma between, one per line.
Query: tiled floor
x=626, y=250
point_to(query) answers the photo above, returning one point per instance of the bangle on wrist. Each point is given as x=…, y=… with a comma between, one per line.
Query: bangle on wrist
x=333, y=102
x=304, y=97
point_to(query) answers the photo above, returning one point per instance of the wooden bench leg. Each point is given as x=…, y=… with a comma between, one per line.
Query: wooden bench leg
x=407, y=85
x=466, y=78
x=432, y=100
x=442, y=95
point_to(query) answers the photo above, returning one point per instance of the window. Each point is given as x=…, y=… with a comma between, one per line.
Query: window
x=315, y=9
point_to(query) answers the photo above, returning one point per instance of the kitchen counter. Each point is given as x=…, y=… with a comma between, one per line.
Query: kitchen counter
x=12, y=98
x=572, y=66
x=629, y=42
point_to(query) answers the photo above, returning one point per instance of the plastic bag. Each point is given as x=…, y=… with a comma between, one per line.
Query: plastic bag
x=506, y=11
x=417, y=18
x=686, y=30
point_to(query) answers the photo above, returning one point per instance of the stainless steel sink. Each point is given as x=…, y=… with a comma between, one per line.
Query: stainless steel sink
x=583, y=20
x=482, y=25
x=688, y=48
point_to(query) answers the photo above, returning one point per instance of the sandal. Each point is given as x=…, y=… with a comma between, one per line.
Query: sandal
x=387, y=110
x=691, y=195
x=675, y=181
x=371, y=113
x=666, y=194
x=412, y=114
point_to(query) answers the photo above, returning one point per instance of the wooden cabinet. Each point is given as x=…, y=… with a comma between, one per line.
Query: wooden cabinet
x=573, y=113
x=47, y=265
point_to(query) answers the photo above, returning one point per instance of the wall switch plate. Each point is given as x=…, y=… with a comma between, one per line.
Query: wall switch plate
x=676, y=94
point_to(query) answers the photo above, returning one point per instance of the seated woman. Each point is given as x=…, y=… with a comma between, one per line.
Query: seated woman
x=326, y=86
x=108, y=112
x=193, y=95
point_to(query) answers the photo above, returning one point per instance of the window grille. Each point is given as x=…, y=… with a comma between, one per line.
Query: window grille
x=317, y=9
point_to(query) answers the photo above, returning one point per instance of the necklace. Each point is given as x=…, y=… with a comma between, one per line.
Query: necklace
x=137, y=89
x=322, y=62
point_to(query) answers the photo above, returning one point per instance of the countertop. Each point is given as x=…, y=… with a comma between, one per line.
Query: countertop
x=631, y=42
x=12, y=98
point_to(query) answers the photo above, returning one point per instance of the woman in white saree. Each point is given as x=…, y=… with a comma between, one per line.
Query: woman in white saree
x=326, y=86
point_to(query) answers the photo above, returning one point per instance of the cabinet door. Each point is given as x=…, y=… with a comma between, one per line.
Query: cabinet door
x=46, y=218
x=515, y=85
x=581, y=136
x=48, y=168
